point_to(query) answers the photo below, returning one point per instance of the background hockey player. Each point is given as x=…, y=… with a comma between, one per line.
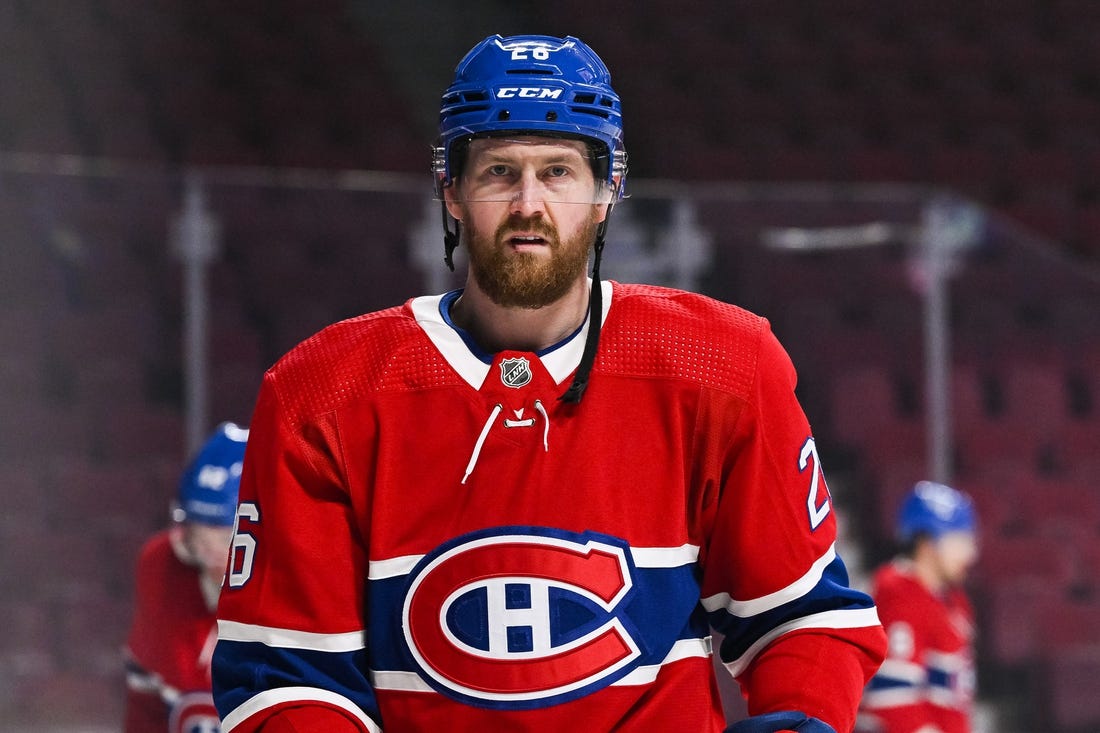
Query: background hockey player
x=179, y=576
x=927, y=682
x=522, y=505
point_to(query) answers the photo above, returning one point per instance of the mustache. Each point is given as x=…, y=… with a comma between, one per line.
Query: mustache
x=529, y=225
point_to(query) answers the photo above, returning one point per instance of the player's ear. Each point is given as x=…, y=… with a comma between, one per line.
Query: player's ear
x=451, y=201
x=605, y=198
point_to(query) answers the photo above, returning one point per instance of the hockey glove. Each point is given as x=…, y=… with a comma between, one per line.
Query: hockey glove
x=782, y=721
x=194, y=712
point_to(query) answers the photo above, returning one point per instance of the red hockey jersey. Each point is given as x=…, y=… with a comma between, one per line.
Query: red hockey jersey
x=171, y=643
x=927, y=681
x=428, y=539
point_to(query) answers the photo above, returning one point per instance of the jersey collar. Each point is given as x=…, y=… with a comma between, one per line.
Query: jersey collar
x=471, y=363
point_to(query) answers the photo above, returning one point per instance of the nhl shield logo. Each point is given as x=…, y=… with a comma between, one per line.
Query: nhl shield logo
x=515, y=372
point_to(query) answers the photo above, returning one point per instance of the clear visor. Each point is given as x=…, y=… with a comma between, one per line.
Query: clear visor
x=529, y=170
x=531, y=194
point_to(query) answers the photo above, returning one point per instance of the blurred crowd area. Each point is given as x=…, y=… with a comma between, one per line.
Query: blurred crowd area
x=744, y=120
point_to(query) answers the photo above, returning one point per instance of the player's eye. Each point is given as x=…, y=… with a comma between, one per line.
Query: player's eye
x=498, y=170
x=557, y=171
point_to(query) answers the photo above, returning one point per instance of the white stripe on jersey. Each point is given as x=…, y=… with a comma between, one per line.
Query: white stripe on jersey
x=902, y=671
x=893, y=698
x=755, y=606
x=271, y=698
x=351, y=641
x=843, y=619
x=664, y=557
x=682, y=649
x=644, y=557
x=404, y=681
x=947, y=662
x=394, y=567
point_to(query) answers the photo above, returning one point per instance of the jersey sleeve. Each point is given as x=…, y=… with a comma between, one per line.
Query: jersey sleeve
x=146, y=663
x=145, y=712
x=291, y=639
x=796, y=635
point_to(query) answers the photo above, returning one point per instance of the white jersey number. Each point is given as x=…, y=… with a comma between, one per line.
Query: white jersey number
x=817, y=505
x=539, y=53
x=243, y=552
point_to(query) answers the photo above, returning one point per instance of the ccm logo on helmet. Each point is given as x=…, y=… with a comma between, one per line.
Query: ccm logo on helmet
x=521, y=617
x=528, y=93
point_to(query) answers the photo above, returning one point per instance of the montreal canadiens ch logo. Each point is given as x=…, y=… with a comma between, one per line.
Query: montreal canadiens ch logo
x=521, y=617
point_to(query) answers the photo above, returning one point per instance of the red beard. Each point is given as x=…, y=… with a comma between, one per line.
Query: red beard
x=526, y=279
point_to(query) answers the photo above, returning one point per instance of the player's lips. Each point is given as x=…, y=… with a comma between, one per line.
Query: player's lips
x=522, y=239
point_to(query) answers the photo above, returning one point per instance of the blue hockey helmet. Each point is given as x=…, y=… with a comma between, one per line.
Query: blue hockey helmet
x=209, y=484
x=541, y=85
x=934, y=509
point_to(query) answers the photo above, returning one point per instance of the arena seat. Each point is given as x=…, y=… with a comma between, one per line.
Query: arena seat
x=1071, y=680
x=1012, y=558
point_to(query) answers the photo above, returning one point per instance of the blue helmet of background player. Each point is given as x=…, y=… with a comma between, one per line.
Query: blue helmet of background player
x=540, y=85
x=934, y=510
x=208, y=487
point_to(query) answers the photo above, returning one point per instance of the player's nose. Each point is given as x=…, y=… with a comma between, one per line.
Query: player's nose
x=529, y=196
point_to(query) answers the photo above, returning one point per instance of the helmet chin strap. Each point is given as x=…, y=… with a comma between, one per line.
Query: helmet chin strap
x=450, y=239
x=579, y=384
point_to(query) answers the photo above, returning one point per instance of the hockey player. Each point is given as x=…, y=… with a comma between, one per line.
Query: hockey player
x=522, y=505
x=926, y=683
x=179, y=575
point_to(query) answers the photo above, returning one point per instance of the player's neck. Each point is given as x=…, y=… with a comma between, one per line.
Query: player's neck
x=496, y=328
x=928, y=574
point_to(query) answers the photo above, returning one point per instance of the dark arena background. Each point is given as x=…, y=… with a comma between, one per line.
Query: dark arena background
x=909, y=191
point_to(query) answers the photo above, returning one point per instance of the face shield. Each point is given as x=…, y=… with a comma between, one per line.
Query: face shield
x=519, y=168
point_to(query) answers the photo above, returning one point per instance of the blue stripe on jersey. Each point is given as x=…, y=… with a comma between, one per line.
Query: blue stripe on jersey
x=940, y=678
x=880, y=682
x=445, y=304
x=518, y=602
x=661, y=610
x=831, y=593
x=244, y=669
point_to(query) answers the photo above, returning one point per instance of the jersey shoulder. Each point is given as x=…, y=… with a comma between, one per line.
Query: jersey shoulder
x=892, y=577
x=376, y=352
x=656, y=331
x=160, y=567
x=159, y=552
x=897, y=591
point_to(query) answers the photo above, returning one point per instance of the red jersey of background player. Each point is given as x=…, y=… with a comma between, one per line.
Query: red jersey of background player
x=928, y=674
x=927, y=682
x=179, y=575
x=172, y=637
